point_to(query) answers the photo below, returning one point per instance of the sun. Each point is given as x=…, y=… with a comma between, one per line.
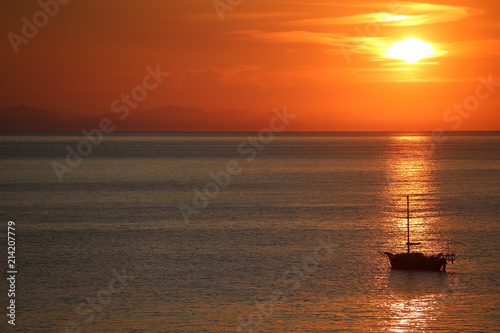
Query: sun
x=410, y=50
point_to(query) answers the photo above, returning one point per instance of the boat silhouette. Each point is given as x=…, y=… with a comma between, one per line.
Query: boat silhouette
x=415, y=260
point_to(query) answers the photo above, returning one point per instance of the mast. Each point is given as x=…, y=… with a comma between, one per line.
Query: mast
x=408, y=221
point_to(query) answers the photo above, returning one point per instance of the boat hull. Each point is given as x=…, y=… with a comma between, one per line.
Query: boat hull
x=416, y=261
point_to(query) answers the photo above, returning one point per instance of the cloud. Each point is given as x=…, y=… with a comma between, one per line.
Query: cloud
x=234, y=75
x=325, y=40
x=237, y=16
x=293, y=37
x=259, y=77
x=474, y=49
x=404, y=14
x=315, y=31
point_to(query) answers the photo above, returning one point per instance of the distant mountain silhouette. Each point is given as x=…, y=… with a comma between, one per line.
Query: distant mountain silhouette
x=173, y=118
x=168, y=118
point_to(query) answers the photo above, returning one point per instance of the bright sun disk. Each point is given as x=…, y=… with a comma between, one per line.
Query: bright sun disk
x=410, y=50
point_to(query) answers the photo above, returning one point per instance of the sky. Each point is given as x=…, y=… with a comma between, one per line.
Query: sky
x=326, y=61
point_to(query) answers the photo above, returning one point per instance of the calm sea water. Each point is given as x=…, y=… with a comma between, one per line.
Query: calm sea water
x=289, y=244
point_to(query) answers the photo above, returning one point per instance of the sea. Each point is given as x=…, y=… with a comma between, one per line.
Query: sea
x=248, y=232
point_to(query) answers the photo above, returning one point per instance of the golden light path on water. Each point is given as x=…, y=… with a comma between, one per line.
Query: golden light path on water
x=409, y=171
x=415, y=299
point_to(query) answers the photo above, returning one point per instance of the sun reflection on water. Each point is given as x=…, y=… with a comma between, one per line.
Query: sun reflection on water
x=413, y=299
x=409, y=170
x=416, y=300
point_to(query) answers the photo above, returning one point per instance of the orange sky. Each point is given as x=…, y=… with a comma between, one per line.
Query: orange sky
x=264, y=54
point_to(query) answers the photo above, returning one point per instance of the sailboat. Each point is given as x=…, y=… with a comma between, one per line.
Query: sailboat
x=415, y=260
